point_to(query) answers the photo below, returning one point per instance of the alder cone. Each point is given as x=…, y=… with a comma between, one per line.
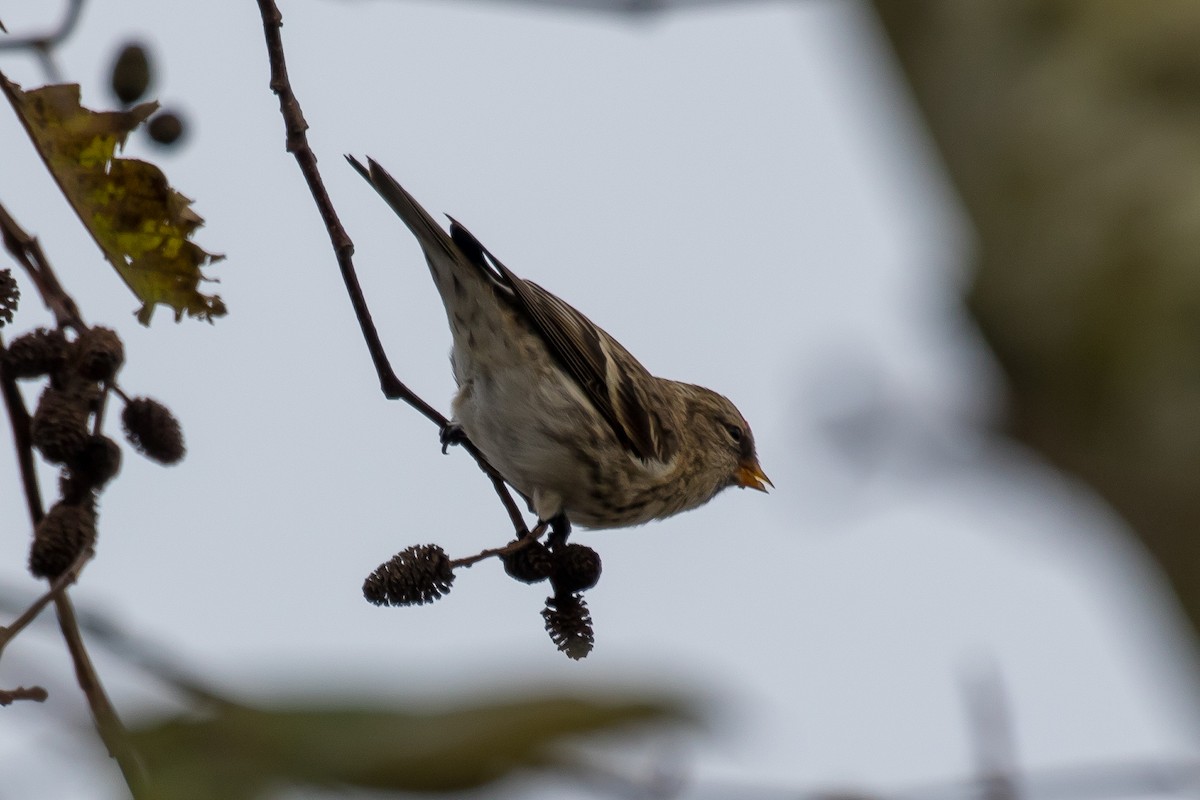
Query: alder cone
x=59, y=426
x=60, y=537
x=153, y=430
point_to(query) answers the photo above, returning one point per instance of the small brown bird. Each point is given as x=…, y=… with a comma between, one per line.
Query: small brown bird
x=563, y=411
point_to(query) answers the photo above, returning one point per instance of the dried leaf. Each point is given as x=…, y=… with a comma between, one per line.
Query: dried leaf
x=142, y=224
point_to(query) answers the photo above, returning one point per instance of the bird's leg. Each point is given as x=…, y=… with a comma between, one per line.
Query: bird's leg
x=452, y=433
x=560, y=529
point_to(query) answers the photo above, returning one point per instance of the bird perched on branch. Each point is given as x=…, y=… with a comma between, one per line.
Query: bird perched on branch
x=563, y=411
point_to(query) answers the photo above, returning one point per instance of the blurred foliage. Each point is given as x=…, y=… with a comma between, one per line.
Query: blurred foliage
x=1072, y=130
x=240, y=753
x=142, y=224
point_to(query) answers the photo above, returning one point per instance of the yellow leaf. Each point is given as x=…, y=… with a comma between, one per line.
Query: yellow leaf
x=143, y=225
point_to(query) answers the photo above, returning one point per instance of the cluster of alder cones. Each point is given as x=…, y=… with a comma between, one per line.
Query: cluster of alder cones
x=423, y=573
x=80, y=364
x=80, y=367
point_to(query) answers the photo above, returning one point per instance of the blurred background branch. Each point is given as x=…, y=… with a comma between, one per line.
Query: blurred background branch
x=1070, y=128
x=42, y=44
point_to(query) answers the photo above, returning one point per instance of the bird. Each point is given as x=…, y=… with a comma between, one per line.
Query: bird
x=557, y=406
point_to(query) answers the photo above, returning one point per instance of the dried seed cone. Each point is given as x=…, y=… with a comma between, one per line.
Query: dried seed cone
x=98, y=462
x=10, y=295
x=576, y=569
x=131, y=73
x=530, y=564
x=99, y=353
x=71, y=490
x=36, y=353
x=569, y=624
x=60, y=537
x=166, y=128
x=413, y=577
x=84, y=392
x=59, y=427
x=153, y=430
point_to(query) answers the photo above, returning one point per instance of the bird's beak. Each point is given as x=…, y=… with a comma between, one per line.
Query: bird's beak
x=749, y=475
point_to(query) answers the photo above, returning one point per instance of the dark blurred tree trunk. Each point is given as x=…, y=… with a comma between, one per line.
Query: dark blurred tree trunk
x=1072, y=131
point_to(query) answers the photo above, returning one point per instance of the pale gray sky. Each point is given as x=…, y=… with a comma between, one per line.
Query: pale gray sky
x=742, y=196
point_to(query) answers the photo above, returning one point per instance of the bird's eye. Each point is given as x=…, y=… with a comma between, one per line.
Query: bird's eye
x=735, y=433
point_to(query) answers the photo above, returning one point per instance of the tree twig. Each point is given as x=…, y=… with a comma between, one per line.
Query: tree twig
x=49, y=38
x=42, y=44
x=520, y=544
x=112, y=731
x=35, y=693
x=18, y=420
x=296, y=128
x=28, y=253
x=69, y=576
x=116, y=739
x=152, y=659
x=129, y=648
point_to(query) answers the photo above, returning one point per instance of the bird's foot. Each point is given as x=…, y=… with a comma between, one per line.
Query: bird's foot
x=452, y=433
x=560, y=529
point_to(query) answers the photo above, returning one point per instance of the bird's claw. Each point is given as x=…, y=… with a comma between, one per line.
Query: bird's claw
x=560, y=529
x=452, y=433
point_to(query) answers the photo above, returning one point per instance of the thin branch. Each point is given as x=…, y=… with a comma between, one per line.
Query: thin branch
x=296, y=128
x=18, y=419
x=69, y=576
x=45, y=56
x=42, y=45
x=112, y=731
x=520, y=544
x=152, y=659
x=28, y=253
x=49, y=39
x=133, y=651
x=35, y=693
x=297, y=144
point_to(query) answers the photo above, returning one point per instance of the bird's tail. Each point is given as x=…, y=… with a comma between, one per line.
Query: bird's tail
x=433, y=238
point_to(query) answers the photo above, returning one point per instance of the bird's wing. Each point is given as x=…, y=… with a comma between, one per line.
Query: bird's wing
x=621, y=389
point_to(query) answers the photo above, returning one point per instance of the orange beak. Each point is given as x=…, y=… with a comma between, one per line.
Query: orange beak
x=749, y=475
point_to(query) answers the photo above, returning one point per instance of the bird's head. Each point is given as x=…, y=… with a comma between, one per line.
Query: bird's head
x=724, y=444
